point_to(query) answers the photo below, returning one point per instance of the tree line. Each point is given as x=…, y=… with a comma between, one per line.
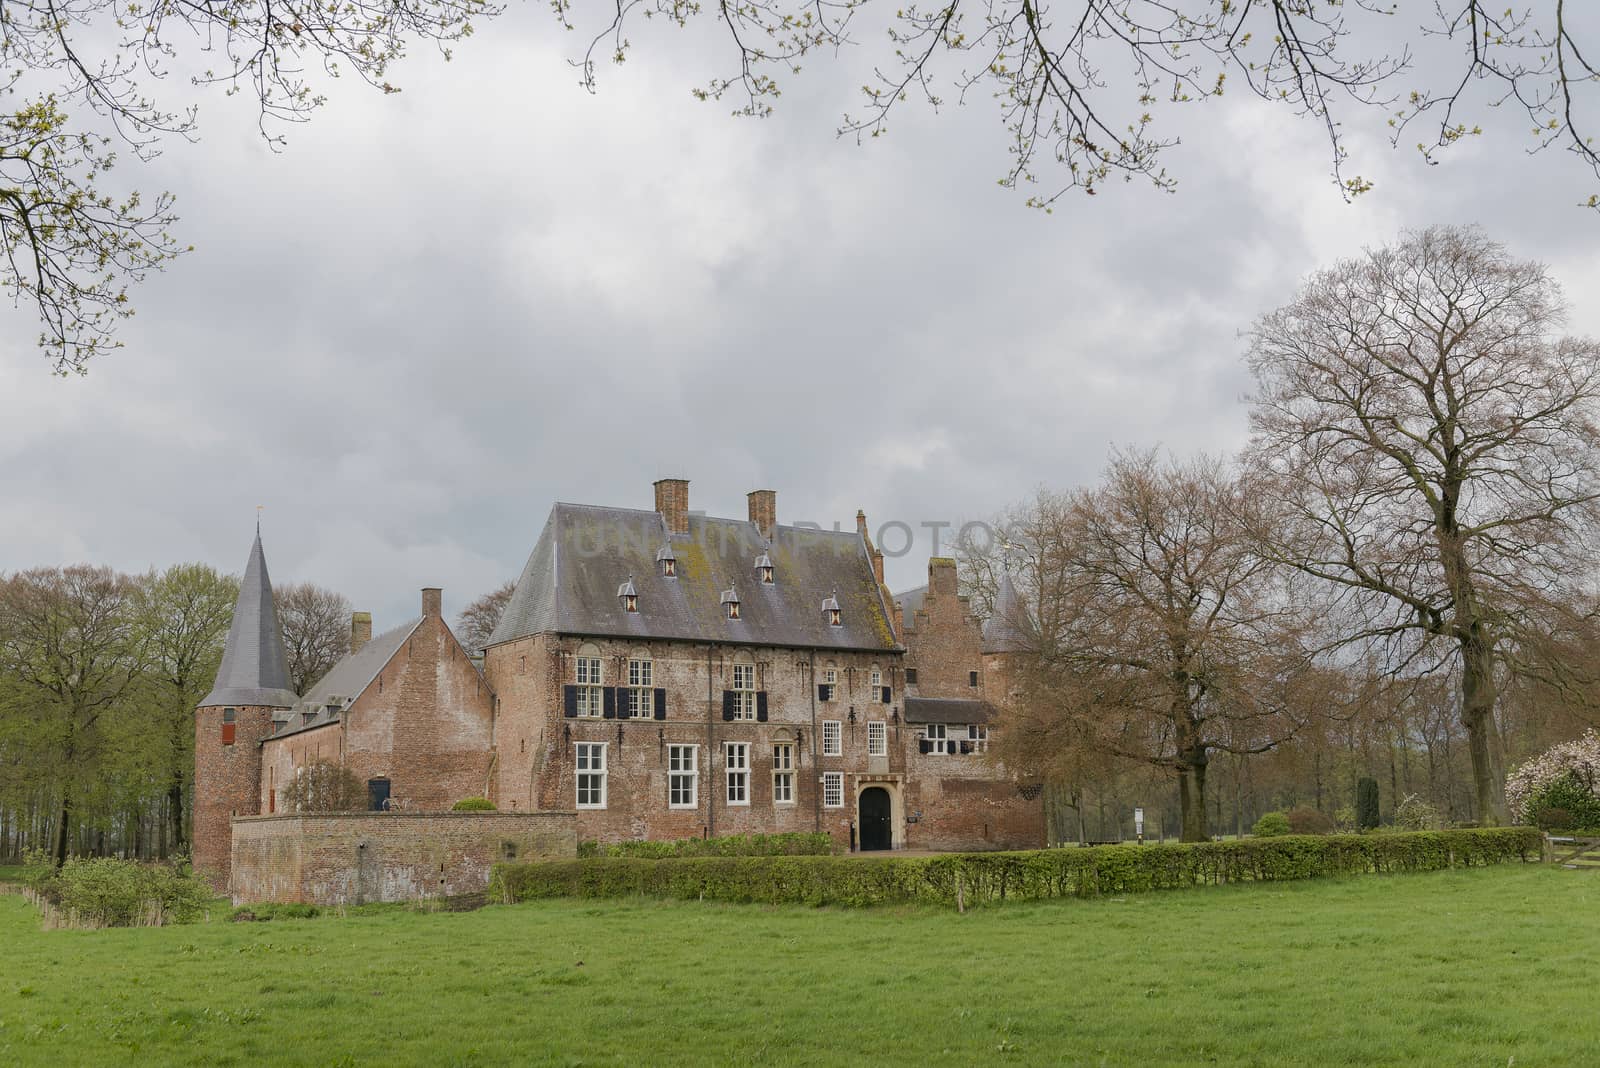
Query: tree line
x=1392, y=579
x=100, y=674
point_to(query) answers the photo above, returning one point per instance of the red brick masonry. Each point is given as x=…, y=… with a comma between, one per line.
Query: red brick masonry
x=356, y=857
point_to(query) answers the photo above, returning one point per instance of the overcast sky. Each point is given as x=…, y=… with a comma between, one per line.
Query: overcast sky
x=436, y=313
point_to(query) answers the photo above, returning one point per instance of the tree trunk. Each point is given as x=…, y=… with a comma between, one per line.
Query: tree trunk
x=175, y=812
x=1192, y=795
x=1483, y=739
x=61, y=831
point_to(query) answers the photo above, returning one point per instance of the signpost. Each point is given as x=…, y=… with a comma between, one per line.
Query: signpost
x=1138, y=825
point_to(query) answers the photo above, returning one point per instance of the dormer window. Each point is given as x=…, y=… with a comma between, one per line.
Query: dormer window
x=730, y=602
x=628, y=595
x=667, y=562
x=764, y=569
x=831, y=612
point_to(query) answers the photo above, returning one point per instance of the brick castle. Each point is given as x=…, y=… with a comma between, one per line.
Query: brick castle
x=661, y=674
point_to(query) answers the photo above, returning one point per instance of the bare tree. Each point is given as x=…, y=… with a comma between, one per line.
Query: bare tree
x=1425, y=444
x=1165, y=637
x=478, y=620
x=69, y=642
x=322, y=786
x=316, y=631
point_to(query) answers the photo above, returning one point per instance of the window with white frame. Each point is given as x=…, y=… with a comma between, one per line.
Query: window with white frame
x=783, y=773
x=591, y=774
x=641, y=692
x=979, y=737
x=833, y=789
x=875, y=679
x=832, y=738
x=736, y=758
x=938, y=741
x=877, y=739
x=683, y=776
x=591, y=696
x=830, y=679
x=744, y=691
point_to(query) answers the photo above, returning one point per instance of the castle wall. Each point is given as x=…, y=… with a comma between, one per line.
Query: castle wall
x=354, y=858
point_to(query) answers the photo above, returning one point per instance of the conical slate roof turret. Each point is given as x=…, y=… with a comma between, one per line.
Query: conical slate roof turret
x=255, y=669
x=1008, y=628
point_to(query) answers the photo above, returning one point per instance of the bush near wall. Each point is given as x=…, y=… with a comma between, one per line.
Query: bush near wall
x=978, y=878
x=106, y=892
x=791, y=844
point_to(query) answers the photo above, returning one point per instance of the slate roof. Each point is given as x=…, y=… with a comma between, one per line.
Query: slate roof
x=1009, y=628
x=349, y=677
x=586, y=551
x=946, y=710
x=255, y=668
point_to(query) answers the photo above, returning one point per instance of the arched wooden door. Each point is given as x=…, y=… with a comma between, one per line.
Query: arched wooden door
x=873, y=819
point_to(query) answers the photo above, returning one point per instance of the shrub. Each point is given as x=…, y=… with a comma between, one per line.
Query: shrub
x=1306, y=820
x=1579, y=759
x=1271, y=825
x=105, y=892
x=1569, y=793
x=473, y=804
x=978, y=878
x=1553, y=819
x=1415, y=814
x=324, y=787
x=1367, y=811
x=792, y=844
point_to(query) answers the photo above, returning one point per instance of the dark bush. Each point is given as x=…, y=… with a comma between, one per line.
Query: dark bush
x=324, y=786
x=1568, y=792
x=1554, y=819
x=473, y=804
x=1367, y=812
x=1271, y=825
x=977, y=878
x=105, y=892
x=1304, y=820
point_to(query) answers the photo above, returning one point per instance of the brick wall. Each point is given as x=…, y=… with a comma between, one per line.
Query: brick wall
x=227, y=780
x=351, y=858
x=945, y=643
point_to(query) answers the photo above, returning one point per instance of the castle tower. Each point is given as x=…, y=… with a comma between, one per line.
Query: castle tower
x=1008, y=632
x=235, y=716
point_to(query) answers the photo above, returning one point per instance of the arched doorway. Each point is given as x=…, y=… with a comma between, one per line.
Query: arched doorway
x=873, y=819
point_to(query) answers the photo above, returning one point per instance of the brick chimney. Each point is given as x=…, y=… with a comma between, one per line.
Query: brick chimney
x=360, y=630
x=872, y=550
x=432, y=602
x=764, y=511
x=672, y=501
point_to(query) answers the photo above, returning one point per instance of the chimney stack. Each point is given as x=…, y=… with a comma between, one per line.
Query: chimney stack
x=764, y=511
x=360, y=630
x=672, y=501
x=432, y=602
x=861, y=522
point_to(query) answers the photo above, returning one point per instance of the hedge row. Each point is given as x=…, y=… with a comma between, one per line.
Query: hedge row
x=789, y=844
x=977, y=878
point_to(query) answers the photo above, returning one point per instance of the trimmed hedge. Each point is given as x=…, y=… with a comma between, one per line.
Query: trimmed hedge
x=473, y=804
x=789, y=844
x=977, y=878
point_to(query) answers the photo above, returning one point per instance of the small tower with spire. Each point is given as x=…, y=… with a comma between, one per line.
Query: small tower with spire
x=234, y=718
x=1008, y=636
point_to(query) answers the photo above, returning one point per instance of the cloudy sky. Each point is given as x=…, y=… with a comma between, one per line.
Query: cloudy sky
x=438, y=312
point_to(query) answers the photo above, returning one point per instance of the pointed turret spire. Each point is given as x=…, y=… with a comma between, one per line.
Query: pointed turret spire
x=1008, y=628
x=255, y=669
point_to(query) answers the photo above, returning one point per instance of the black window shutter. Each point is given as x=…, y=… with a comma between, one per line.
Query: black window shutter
x=888, y=695
x=661, y=703
x=727, y=705
x=570, y=696
x=610, y=704
x=761, y=706
x=966, y=747
x=924, y=746
x=822, y=691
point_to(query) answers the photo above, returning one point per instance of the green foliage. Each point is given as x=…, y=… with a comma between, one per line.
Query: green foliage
x=106, y=892
x=1306, y=820
x=1367, y=810
x=791, y=844
x=1271, y=825
x=1567, y=792
x=473, y=804
x=265, y=911
x=1553, y=819
x=1415, y=814
x=978, y=878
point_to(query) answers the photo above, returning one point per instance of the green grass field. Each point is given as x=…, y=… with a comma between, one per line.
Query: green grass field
x=1490, y=966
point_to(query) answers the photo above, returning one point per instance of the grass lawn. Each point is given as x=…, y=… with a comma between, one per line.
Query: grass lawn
x=1491, y=966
